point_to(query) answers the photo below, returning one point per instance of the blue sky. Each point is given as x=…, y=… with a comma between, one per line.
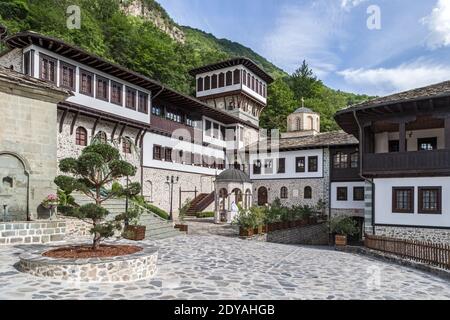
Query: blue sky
x=411, y=49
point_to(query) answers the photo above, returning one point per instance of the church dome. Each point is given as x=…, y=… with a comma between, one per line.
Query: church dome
x=233, y=175
x=304, y=110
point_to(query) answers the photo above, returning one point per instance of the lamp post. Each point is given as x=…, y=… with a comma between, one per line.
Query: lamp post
x=171, y=181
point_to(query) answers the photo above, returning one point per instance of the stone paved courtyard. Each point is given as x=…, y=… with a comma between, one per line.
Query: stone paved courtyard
x=218, y=267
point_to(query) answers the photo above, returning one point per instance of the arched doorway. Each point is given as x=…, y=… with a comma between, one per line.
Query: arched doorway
x=262, y=196
x=14, y=187
x=237, y=196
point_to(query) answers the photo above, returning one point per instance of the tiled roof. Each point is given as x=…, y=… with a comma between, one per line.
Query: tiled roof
x=326, y=139
x=304, y=110
x=435, y=90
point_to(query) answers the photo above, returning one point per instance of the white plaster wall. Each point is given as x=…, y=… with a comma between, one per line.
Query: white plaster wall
x=349, y=204
x=382, y=139
x=92, y=102
x=151, y=138
x=290, y=157
x=383, y=202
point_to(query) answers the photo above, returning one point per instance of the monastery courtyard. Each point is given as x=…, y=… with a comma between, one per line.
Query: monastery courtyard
x=212, y=263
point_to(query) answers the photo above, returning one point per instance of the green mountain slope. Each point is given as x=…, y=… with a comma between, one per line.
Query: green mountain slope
x=140, y=35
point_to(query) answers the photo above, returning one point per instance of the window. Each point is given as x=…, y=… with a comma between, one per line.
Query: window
x=249, y=80
x=190, y=122
x=200, y=84
x=48, y=68
x=244, y=77
x=430, y=200
x=281, y=165
x=207, y=83
x=313, y=164
x=300, y=164
x=81, y=137
x=264, y=91
x=208, y=130
x=214, y=82
x=403, y=200
x=157, y=111
x=86, y=83
x=308, y=193
x=131, y=99
x=126, y=145
x=102, y=88
x=157, y=155
x=116, y=93
x=427, y=144
x=170, y=115
x=340, y=161
x=284, y=193
x=268, y=166
x=27, y=63
x=394, y=146
x=187, y=158
x=143, y=103
x=168, y=154
x=358, y=193
x=221, y=80
x=197, y=159
x=253, y=83
x=67, y=76
x=101, y=137
x=216, y=131
x=257, y=167
x=229, y=78
x=205, y=161
x=354, y=160
x=342, y=194
x=237, y=76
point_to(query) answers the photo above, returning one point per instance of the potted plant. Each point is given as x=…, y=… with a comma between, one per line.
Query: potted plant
x=132, y=230
x=246, y=222
x=50, y=202
x=341, y=227
x=182, y=216
x=258, y=214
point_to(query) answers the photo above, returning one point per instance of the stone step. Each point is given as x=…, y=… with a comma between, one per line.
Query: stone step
x=162, y=233
x=166, y=235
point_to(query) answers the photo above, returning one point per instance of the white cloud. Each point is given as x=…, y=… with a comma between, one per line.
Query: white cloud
x=349, y=4
x=438, y=23
x=305, y=32
x=383, y=81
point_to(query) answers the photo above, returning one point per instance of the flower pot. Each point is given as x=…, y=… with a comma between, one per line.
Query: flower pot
x=264, y=228
x=135, y=233
x=312, y=220
x=340, y=240
x=182, y=227
x=243, y=232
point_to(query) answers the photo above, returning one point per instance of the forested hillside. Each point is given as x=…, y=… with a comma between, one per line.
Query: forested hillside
x=140, y=35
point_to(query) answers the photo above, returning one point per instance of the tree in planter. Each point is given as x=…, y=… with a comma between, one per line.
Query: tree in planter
x=97, y=167
x=341, y=227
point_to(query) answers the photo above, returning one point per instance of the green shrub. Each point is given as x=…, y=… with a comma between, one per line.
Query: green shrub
x=343, y=225
x=250, y=218
x=208, y=214
x=160, y=212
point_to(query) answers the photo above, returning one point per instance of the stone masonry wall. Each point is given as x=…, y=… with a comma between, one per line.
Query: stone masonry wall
x=13, y=59
x=309, y=235
x=68, y=148
x=295, y=188
x=156, y=188
x=32, y=232
x=418, y=234
x=28, y=128
x=348, y=212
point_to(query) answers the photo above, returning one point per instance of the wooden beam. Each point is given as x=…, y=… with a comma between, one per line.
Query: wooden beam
x=447, y=133
x=61, y=121
x=138, y=136
x=142, y=137
x=95, y=125
x=74, y=120
x=402, y=140
x=114, y=131
x=121, y=131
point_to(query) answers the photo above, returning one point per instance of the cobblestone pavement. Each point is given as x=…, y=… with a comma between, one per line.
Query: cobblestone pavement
x=217, y=267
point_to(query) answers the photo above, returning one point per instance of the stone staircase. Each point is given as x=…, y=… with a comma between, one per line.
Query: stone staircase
x=200, y=203
x=156, y=227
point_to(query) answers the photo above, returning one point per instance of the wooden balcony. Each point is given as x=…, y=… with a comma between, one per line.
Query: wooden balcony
x=167, y=126
x=412, y=163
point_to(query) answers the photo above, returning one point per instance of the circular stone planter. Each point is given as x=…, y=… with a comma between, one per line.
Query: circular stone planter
x=132, y=267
